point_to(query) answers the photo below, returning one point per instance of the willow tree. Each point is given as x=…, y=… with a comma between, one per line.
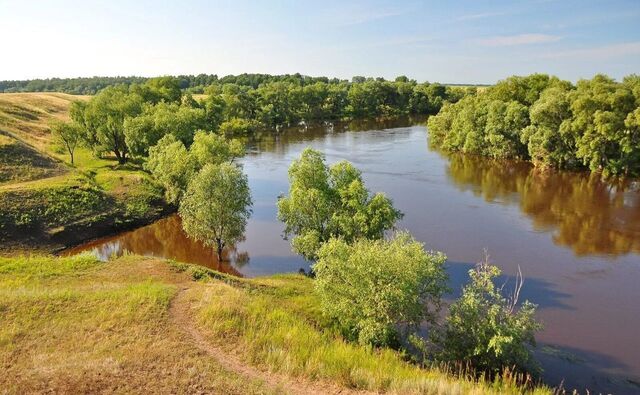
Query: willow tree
x=216, y=206
x=327, y=202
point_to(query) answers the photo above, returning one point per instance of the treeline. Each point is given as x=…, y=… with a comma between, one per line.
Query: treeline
x=594, y=124
x=128, y=120
x=191, y=83
x=195, y=84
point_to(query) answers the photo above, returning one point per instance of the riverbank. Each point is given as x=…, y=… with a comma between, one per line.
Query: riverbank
x=46, y=203
x=137, y=323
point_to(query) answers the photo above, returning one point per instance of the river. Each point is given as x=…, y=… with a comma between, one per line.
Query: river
x=575, y=238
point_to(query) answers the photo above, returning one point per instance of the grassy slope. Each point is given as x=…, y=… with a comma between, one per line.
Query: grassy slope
x=77, y=325
x=47, y=203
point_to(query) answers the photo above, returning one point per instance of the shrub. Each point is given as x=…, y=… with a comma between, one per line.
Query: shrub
x=485, y=330
x=375, y=288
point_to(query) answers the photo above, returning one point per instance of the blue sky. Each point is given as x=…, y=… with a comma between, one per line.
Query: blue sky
x=446, y=41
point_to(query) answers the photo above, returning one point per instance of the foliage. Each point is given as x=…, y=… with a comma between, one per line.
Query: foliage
x=216, y=206
x=549, y=122
x=486, y=330
x=67, y=134
x=277, y=324
x=171, y=166
x=238, y=127
x=374, y=288
x=327, y=202
x=144, y=131
x=104, y=118
x=215, y=149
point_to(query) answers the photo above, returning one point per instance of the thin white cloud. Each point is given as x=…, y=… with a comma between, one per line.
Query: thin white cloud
x=482, y=15
x=518, y=39
x=598, y=53
x=357, y=18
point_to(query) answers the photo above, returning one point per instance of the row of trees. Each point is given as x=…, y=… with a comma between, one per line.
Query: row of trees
x=127, y=120
x=381, y=291
x=189, y=83
x=594, y=124
x=286, y=103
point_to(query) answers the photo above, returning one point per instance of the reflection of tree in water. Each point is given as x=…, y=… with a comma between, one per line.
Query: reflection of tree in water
x=166, y=239
x=278, y=142
x=589, y=215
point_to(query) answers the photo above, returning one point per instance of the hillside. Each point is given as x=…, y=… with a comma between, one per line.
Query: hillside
x=26, y=115
x=144, y=324
x=45, y=203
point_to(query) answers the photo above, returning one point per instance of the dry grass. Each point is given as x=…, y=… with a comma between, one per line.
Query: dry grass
x=27, y=115
x=76, y=325
x=20, y=163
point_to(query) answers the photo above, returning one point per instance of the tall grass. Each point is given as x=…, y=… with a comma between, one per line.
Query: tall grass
x=278, y=325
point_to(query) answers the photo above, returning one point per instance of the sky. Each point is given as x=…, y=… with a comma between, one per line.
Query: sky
x=444, y=41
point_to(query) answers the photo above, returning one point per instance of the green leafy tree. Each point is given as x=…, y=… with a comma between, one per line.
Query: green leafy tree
x=238, y=127
x=600, y=107
x=144, y=131
x=486, y=329
x=376, y=289
x=67, y=134
x=216, y=206
x=171, y=166
x=549, y=122
x=327, y=202
x=104, y=117
x=159, y=89
x=213, y=148
x=549, y=140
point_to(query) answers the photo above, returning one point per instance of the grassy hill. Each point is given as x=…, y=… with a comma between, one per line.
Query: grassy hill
x=45, y=203
x=143, y=324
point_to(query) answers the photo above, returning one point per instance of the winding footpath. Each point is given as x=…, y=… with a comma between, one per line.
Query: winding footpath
x=181, y=315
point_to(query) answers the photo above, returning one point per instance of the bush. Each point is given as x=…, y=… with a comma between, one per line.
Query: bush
x=238, y=127
x=485, y=330
x=375, y=288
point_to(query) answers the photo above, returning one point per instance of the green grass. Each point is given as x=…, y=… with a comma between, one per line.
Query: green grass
x=276, y=323
x=79, y=325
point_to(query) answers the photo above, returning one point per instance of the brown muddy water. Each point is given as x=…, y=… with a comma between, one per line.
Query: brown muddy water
x=575, y=238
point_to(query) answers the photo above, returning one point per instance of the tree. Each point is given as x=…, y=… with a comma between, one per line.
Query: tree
x=67, y=134
x=213, y=148
x=104, y=118
x=144, y=131
x=216, y=206
x=171, y=166
x=375, y=288
x=486, y=329
x=327, y=202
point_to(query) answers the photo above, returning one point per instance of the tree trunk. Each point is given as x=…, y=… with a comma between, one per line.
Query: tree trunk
x=220, y=247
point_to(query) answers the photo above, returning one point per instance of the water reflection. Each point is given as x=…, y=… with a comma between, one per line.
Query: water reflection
x=280, y=142
x=165, y=238
x=585, y=213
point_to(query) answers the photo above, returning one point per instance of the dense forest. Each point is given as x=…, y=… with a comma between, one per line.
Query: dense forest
x=594, y=124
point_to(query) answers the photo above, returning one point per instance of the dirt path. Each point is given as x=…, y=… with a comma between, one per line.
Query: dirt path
x=181, y=316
